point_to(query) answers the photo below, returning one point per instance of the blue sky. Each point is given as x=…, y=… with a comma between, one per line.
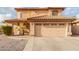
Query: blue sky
x=9, y=12
x=71, y=11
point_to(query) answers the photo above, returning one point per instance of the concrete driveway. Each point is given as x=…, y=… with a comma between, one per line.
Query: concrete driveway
x=52, y=44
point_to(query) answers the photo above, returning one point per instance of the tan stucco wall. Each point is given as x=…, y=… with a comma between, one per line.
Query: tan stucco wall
x=32, y=29
x=33, y=13
x=27, y=14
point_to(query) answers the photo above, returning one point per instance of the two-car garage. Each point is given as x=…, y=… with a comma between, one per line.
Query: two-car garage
x=50, y=26
x=50, y=29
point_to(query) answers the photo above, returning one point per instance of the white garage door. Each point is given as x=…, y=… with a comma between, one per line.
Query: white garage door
x=50, y=30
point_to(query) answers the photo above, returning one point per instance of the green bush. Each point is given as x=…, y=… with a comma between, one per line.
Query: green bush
x=7, y=30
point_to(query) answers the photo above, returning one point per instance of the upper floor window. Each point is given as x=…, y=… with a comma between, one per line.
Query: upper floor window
x=54, y=13
x=61, y=24
x=19, y=15
x=37, y=12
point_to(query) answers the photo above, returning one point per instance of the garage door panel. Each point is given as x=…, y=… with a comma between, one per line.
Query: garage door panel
x=53, y=31
x=38, y=30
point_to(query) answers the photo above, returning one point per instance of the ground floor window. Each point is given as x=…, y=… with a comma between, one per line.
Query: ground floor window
x=61, y=24
x=46, y=24
x=54, y=24
x=37, y=24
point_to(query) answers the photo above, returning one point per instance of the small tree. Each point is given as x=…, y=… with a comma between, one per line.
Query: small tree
x=7, y=30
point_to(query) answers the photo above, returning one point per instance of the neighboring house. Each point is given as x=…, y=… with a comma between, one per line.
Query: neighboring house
x=43, y=21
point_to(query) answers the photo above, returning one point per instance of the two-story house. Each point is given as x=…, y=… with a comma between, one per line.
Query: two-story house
x=43, y=21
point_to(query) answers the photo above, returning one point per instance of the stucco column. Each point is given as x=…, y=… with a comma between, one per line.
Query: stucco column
x=68, y=29
x=70, y=32
x=31, y=29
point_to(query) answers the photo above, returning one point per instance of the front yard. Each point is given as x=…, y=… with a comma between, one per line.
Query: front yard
x=30, y=43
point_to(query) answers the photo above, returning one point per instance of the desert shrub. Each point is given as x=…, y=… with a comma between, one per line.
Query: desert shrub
x=7, y=30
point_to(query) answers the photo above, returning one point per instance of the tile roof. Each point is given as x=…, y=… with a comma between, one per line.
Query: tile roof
x=52, y=18
x=39, y=8
x=44, y=18
x=15, y=20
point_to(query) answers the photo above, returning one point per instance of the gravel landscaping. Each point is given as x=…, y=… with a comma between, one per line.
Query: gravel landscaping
x=8, y=44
